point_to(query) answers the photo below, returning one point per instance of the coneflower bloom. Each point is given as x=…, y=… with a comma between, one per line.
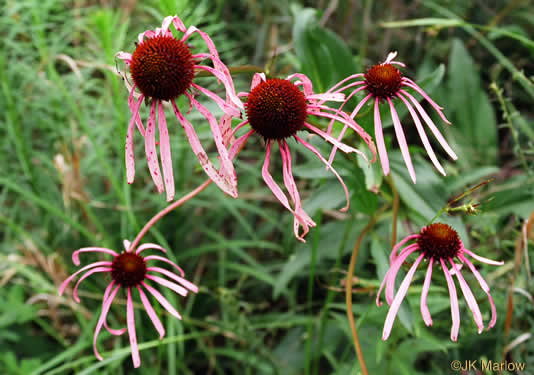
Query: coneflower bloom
x=384, y=82
x=439, y=244
x=276, y=110
x=129, y=271
x=163, y=68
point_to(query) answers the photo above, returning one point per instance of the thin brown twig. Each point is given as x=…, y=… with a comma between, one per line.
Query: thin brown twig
x=348, y=289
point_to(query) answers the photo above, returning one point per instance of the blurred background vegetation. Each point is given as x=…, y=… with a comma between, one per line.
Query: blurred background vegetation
x=267, y=304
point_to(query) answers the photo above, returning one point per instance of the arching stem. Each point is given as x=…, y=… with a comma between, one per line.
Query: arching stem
x=348, y=289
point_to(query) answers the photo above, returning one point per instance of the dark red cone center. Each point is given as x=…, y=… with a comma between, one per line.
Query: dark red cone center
x=383, y=80
x=439, y=241
x=162, y=67
x=276, y=109
x=128, y=269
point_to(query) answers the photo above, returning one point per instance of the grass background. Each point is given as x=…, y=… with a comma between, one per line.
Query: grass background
x=267, y=304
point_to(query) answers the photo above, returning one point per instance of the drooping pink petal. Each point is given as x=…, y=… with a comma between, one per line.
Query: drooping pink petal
x=328, y=166
x=334, y=88
x=401, y=293
x=146, y=34
x=69, y=279
x=426, y=286
x=351, y=123
x=379, y=136
x=394, y=269
x=402, y=140
x=227, y=108
x=238, y=144
x=278, y=193
x=352, y=115
x=147, y=246
x=76, y=254
x=413, y=85
x=423, y=136
x=484, y=287
x=165, y=153
x=162, y=300
x=469, y=297
x=115, y=332
x=227, y=82
x=201, y=56
x=343, y=147
x=163, y=259
x=329, y=96
x=330, y=125
x=134, y=109
x=305, y=82
x=150, y=148
x=125, y=56
x=187, y=284
x=431, y=125
x=482, y=259
x=178, y=24
x=151, y=313
x=85, y=276
x=130, y=322
x=301, y=217
x=396, y=248
x=455, y=311
x=257, y=79
x=105, y=309
x=177, y=288
x=209, y=168
x=227, y=167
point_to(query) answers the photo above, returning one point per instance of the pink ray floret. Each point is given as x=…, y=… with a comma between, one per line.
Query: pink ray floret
x=439, y=245
x=276, y=110
x=384, y=83
x=163, y=68
x=128, y=271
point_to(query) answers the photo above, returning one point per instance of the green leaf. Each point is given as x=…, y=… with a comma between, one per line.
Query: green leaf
x=323, y=56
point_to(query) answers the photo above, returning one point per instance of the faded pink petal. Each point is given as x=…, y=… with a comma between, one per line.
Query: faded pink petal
x=401, y=293
x=177, y=288
x=426, y=286
x=394, y=269
x=187, y=284
x=105, y=309
x=227, y=168
x=455, y=311
x=431, y=125
x=162, y=300
x=396, y=248
x=227, y=108
x=402, y=140
x=423, y=136
x=206, y=164
x=130, y=322
x=69, y=279
x=379, y=136
x=76, y=254
x=157, y=257
x=85, y=276
x=257, y=79
x=150, y=149
x=328, y=166
x=134, y=108
x=413, y=85
x=469, y=297
x=147, y=246
x=151, y=313
x=482, y=259
x=165, y=152
x=115, y=332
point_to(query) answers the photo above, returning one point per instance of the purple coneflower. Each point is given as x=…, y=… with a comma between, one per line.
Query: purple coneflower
x=163, y=68
x=384, y=82
x=276, y=110
x=439, y=244
x=129, y=270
